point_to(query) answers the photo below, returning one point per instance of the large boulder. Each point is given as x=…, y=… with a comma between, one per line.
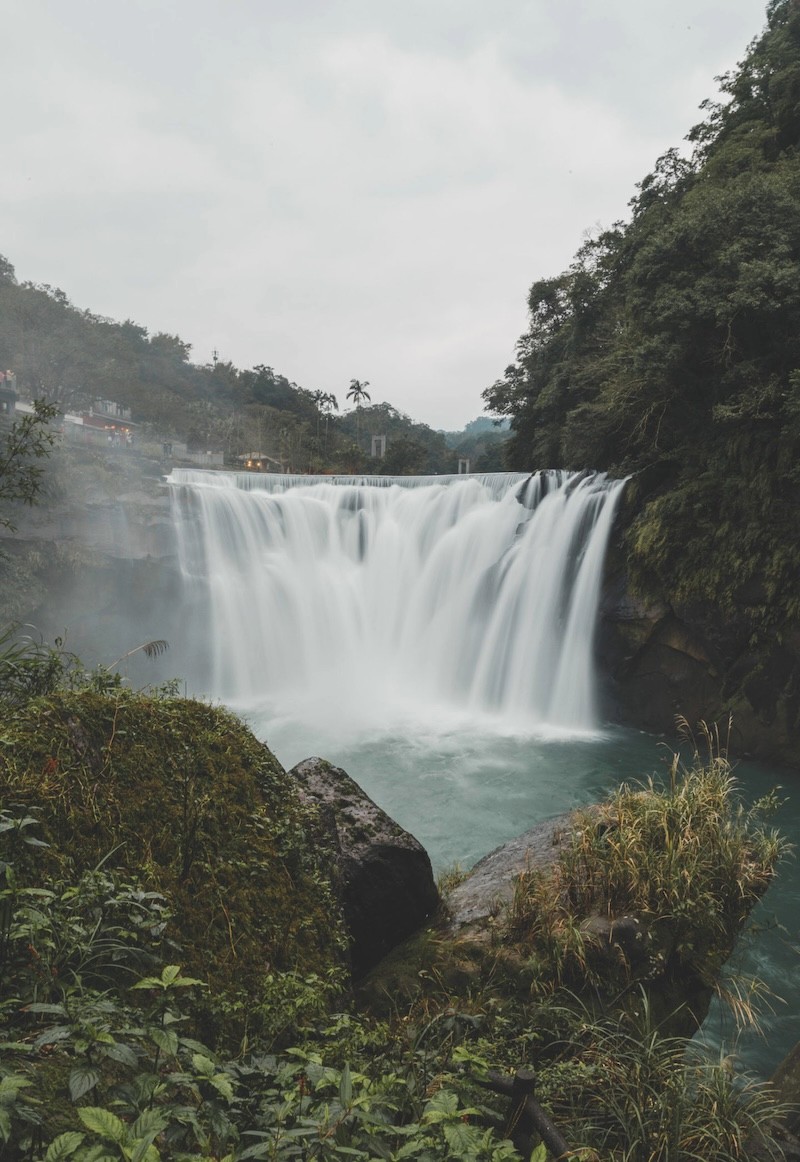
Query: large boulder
x=489, y=886
x=382, y=873
x=629, y=934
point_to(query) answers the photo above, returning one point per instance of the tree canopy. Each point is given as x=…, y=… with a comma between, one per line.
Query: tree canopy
x=23, y=446
x=71, y=357
x=670, y=347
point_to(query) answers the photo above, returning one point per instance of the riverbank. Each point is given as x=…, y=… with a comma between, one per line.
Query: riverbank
x=401, y=1064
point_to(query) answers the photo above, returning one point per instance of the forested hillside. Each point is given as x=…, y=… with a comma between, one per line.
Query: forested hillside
x=70, y=357
x=670, y=348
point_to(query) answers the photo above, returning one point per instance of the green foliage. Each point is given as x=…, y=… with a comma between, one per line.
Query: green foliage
x=29, y=668
x=483, y=442
x=22, y=448
x=228, y=843
x=671, y=348
x=105, y=1057
x=169, y=962
x=71, y=357
x=688, y=861
x=638, y=1095
x=110, y=1066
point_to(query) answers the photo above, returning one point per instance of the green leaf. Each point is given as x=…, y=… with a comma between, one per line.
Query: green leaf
x=145, y=1152
x=260, y=1150
x=63, y=1146
x=461, y=1138
x=149, y=1124
x=11, y=1084
x=148, y=982
x=441, y=1108
x=166, y=1040
x=170, y=978
x=203, y=1065
x=539, y=1154
x=222, y=1084
x=97, y=1154
x=53, y=1034
x=102, y=1122
x=82, y=1079
x=123, y=1054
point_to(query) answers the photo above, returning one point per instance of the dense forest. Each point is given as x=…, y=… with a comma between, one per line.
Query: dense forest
x=670, y=349
x=71, y=357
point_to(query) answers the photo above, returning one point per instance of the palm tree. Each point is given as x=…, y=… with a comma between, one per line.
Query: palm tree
x=328, y=404
x=357, y=392
x=319, y=398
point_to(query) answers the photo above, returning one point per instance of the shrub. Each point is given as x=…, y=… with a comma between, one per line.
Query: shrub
x=686, y=860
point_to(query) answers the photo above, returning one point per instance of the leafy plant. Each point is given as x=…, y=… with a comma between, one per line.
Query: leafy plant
x=29, y=668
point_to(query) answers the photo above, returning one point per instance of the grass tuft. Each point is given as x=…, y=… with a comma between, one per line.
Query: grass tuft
x=658, y=880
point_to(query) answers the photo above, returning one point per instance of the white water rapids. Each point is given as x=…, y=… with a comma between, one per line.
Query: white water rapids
x=381, y=602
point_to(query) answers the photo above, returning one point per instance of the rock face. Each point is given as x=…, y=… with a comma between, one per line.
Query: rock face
x=786, y=1082
x=490, y=884
x=96, y=564
x=662, y=661
x=383, y=874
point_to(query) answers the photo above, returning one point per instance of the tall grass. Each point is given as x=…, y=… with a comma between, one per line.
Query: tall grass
x=637, y=1096
x=686, y=859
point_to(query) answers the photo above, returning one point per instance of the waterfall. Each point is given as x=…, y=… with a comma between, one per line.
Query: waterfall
x=374, y=600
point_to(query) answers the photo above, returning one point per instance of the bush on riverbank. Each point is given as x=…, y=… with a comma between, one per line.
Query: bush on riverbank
x=169, y=948
x=103, y=1059
x=662, y=877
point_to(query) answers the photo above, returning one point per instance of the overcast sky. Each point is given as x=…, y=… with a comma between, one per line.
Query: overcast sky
x=340, y=188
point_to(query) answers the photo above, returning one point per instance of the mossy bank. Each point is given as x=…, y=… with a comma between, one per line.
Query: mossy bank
x=183, y=796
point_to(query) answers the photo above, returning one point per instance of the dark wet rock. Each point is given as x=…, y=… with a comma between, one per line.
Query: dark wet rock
x=625, y=937
x=784, y=1137
x=382, y=873
x=690, y=661
x=662, y=658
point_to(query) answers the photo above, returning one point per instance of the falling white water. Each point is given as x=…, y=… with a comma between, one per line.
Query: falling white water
x=373, y=602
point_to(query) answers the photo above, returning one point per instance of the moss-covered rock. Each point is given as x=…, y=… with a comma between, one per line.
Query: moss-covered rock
x=183, y=795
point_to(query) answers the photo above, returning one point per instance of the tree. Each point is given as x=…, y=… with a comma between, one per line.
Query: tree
x=27, y=442
x=405, y=457
x=358, y=392
x=328, y=403
x=670, y=348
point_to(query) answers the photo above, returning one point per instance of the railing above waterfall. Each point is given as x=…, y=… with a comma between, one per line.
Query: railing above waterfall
x=537, y=484
x=280, y=481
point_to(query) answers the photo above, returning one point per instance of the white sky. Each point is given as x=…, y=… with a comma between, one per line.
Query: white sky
x=339, y=188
